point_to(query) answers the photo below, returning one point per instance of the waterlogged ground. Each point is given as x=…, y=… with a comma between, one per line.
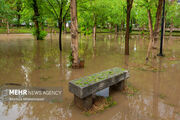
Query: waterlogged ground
x=39, y=64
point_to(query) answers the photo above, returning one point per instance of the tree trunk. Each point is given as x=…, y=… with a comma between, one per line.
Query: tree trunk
x=157, y=24
x=129, y=6
x=74, y=33
x=122, y=26
x=60, y=34
x=142, y=29
x=36, y=21
x=65, y=31
x=94, y=32
x=60, y=26
x=110, y=27
x=7, y=27
x=172, y=25
x=151, y=34
x=164, y=25
x=116, y=29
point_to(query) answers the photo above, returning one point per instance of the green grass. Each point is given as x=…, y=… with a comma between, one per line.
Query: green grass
x=130, y=90
x=16, y=30
x=82, y=82
x=45, y=78
x=176, y=33
x=162, y=96
x=102, y=105
x=178, y=113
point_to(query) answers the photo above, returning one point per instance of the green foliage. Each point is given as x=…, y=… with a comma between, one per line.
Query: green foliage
x=42, y=34
x=6, y=10
x=102, y=13
x=172, y=13
x=110, y=102
x=162, y=96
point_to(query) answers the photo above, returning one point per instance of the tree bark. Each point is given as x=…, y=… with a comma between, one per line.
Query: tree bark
x=164, y=25
x=129, y=6
x=60, y=26
x=157, y=24
x=142, y=29
x=65, y=31
x=60, y=34
x=74, y=33
x=122, y=26
x=94, y=32
x=151, y=34
x=36, y=21
x=116, y=29
x=172, y=25
x=7, y=26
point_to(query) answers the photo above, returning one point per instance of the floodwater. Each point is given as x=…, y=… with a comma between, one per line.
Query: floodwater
x=39, y=64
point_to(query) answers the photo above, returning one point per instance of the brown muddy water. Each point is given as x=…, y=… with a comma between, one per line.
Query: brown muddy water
x=39, y=64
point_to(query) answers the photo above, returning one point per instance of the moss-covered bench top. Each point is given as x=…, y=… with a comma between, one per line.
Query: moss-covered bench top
x=97, y=77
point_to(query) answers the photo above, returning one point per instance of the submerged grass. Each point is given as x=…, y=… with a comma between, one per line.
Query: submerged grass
x=100, y=105
x=45, y=78
x=162, y=96
x=130, y=90
x=170, y=104
x=145, y=67
x=178, y=113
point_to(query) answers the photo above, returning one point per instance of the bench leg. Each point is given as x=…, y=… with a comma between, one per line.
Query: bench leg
x=119, y=86
x=85, y=103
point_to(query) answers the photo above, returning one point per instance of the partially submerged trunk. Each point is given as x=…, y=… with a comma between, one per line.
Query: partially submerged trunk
x=74, y=33
x=60, y=34
x=154, y=34
x=157, y=24
x=151, y=34
x=129, y=6
x=60, y=27
x=36, y=21
x=94, y=32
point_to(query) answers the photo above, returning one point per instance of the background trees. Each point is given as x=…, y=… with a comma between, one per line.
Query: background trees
x=74, y=33
x=129, y=7
x=6, y=13
x=58, y=9
x=93, y=16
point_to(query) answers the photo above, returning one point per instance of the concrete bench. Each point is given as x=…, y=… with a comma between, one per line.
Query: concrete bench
x=85, y=87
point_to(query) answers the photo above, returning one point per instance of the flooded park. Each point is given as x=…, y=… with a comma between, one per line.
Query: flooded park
x=89, y=60
x=39, y=64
